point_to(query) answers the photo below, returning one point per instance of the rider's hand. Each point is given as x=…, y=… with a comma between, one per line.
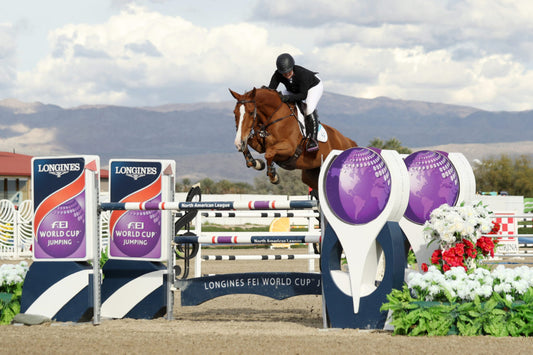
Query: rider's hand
x=285, y=98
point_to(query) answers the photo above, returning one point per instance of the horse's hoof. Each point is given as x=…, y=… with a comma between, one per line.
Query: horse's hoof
x=275, y=180
x=259, y=164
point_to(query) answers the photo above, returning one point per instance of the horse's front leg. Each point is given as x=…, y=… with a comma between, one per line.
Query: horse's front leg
x=257, y=164
x=279, y=152
x=272, y=174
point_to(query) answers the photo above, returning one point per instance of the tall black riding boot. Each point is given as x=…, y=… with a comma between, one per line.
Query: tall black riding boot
x=311, y=122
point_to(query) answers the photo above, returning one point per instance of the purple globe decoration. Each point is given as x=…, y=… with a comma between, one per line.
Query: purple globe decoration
x=358, y=185
x=433, y=182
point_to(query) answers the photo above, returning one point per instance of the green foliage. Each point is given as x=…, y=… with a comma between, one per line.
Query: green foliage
x=104, y=256
x=505, y=174
x=10, y=303
x=11, y=281
x=220, y=187
x=391, y=144
x=411, y=258
x=497, y=316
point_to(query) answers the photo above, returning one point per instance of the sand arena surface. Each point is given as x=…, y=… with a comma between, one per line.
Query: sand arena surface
x=239, y=324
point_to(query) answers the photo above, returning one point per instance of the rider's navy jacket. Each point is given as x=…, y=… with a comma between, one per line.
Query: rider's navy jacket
x=302, y=80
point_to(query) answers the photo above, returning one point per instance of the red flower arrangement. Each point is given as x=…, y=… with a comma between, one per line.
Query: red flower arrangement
x=462, y=253
x=459, y=249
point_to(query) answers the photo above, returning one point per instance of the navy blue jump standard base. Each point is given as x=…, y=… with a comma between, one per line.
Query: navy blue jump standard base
x=71, y=280
x=339, y=306
x=149, y=303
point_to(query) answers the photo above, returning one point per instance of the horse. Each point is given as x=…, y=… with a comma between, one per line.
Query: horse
x=271, y=127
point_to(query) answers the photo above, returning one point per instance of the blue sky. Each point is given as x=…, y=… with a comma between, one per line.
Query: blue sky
x=144, y=53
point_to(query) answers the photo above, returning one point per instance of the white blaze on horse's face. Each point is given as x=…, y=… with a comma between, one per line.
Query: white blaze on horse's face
x=238, y=136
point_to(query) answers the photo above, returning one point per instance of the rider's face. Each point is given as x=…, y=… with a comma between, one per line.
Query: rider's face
x=288, y=75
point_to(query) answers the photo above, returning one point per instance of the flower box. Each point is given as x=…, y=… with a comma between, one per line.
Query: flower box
x=456, y=294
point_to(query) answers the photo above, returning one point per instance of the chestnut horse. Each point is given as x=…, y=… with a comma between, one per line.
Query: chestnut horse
x=271, y=127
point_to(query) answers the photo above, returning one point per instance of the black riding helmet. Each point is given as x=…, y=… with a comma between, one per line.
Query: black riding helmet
x=284, y=63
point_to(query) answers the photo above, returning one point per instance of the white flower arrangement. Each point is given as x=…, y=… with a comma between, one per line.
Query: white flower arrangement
x=448, y=225
x=454, y=295
x=433, y=285
x=12, y=274
x=11, y=282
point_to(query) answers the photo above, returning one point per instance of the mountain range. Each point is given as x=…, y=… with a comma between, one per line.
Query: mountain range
x=199, y=136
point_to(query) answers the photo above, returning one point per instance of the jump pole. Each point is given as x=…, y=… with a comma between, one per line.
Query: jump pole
x=259, y=257
x=252, y=238
x=209, y=205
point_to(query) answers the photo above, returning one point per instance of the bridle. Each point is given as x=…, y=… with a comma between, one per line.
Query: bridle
x=261, y=130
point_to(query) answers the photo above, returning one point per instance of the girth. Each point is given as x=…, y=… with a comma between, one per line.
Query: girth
x=290, y=164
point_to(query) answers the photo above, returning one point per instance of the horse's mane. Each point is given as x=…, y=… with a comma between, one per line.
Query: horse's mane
x=268, y=91
x=266, y=88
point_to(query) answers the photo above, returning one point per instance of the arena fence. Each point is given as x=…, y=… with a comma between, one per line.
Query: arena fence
x=15, y=229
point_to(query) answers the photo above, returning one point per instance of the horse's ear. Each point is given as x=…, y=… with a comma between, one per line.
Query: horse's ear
x=252, y=93
x=235, y=95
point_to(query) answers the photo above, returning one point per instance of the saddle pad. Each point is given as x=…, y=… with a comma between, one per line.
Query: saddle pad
x=322, y=135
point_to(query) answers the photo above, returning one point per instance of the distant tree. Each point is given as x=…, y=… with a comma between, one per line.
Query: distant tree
x=207, y=185
x=228, y=187
x=523, y=177
x=184, y=186
x=391, y=144
x=504, y=174
x=290, y=184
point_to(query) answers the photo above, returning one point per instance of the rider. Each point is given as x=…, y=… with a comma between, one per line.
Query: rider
x=302, y=86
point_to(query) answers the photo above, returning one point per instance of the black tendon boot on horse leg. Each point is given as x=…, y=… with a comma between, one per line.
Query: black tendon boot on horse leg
x=311, y=123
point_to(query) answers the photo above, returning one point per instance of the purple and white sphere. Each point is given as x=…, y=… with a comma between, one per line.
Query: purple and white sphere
x=433, y=182
x=358, y=185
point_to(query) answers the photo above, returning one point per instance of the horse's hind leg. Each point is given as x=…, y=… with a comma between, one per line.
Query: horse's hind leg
x=257, y=164
x=310, y=177
x=273, y=174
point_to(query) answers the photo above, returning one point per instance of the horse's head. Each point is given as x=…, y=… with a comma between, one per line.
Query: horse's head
x=245, y=117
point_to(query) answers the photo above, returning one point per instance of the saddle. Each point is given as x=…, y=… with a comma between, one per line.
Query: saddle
x=322, y=135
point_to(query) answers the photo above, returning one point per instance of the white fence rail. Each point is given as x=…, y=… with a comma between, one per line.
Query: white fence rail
x=15, y=229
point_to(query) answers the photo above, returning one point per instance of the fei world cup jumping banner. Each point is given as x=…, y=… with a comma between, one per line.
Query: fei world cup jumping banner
x=64, y=191
x=140, y=235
